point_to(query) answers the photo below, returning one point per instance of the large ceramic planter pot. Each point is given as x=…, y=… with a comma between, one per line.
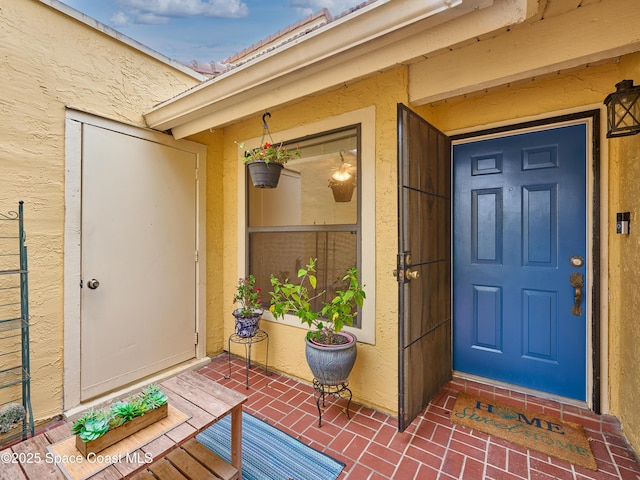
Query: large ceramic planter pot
x=247, y=326
x=263, y=174
x=331, y=364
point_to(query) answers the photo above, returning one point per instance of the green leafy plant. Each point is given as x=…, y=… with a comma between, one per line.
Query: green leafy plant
x=248, y=296
x=298, y=299
x=91, y=425
x=153, y=397
x=95, y=423
x=127, y=411
x=268, y=152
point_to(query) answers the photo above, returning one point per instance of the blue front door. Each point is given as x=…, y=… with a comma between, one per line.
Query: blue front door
x=519, y=312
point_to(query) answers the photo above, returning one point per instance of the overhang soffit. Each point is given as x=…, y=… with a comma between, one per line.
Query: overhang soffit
x=563, y=36
x=304, y=59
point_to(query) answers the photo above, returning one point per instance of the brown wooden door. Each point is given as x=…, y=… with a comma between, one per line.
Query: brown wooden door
x=424, y=263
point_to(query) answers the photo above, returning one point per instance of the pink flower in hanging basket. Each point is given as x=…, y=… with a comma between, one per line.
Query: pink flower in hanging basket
x=267, y=152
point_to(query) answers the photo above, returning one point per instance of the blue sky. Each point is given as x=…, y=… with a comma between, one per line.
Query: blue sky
x=202, y=30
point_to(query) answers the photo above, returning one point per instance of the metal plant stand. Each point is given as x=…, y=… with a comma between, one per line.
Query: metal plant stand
x=337, y=391
x=260, y=336
x=15, y=376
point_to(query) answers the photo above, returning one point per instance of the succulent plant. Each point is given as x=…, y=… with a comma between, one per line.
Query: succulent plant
x=153, y=397
x=93, y=424
x=78, y=425
x=94, y=428
x=127, y=411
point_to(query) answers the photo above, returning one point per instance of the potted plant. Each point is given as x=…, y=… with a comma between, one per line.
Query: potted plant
x=265, y=163
x=96, y=430
x=330, y=352
x=249, y=313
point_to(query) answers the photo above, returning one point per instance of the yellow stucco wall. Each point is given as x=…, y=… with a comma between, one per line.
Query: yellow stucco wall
x=48, y=61
x=373, y=379
x=624, y=264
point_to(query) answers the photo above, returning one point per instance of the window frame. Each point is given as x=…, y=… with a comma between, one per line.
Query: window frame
x=365, y=119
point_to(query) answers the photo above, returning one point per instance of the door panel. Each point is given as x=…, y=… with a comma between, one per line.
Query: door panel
x=424, y=156
x=138, y=241
x=519, y=217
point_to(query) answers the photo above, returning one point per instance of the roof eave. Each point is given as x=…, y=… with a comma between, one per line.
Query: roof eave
x=257, y=85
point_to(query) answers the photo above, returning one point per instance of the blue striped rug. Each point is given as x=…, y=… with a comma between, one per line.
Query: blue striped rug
x=268, y=453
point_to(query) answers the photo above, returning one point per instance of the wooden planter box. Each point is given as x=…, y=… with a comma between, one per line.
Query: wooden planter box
x=121, y=432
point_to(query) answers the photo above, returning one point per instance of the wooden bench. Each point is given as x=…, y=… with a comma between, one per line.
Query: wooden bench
x=192, y=461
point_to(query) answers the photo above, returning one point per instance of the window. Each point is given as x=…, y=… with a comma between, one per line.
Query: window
x=313, y=213
x=272, y=238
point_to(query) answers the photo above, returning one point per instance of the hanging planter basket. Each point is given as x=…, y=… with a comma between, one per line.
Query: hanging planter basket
x=343, y=192
x=264, y=174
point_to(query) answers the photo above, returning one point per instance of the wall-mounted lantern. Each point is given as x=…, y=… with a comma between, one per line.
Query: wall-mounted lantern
x=623, y=110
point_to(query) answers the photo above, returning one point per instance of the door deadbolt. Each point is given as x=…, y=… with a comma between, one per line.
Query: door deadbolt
x=412, y=274
x=93, y=284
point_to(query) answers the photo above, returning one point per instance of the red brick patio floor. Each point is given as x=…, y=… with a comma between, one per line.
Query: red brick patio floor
x=432, y=447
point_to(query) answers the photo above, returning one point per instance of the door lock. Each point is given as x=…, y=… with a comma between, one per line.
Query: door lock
x=412, y=274
x=403, y=273
x=577, y=282
x=93, y=284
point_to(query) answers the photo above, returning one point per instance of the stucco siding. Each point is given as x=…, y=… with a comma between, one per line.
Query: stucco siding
x=374, y=378
x=624, y=254
x=50, y=61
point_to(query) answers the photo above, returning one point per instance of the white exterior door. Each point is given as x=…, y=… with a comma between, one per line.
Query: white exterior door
x=139, y=222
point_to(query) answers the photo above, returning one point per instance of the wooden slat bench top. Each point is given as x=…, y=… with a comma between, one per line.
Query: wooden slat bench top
x=193, y=461
x=175, y=455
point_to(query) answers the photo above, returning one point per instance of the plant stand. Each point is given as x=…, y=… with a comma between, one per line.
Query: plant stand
x=337, y=391
x=260, y=336
x=15, y=369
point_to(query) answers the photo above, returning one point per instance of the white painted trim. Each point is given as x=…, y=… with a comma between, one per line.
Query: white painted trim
x=72, y=241
x=603, y=227
x=365, y=42
x=366, y=117
x=72, y=271
x=570, y=40
x=520, y=389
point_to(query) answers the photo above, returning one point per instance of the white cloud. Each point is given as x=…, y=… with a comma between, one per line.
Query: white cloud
x=119, y=19
x=162, y=11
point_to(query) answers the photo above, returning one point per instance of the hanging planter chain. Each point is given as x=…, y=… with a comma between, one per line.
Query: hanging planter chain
x=265, y=129
x=263, y=174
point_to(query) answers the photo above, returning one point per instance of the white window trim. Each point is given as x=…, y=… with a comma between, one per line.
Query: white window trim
x=366, y=117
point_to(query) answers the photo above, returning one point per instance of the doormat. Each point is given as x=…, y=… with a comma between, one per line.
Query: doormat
x=269, y=453
x=535, y=431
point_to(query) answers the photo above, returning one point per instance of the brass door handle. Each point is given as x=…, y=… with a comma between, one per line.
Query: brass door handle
x=577, y=282
x=412, y=274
